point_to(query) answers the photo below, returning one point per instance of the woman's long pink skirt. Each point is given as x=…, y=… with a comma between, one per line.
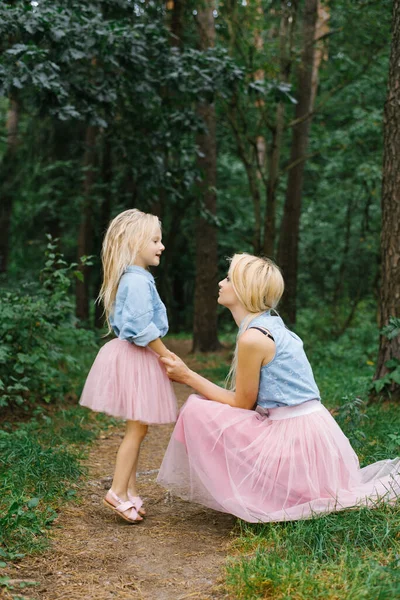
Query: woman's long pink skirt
x=292, y=463
x=129, y=382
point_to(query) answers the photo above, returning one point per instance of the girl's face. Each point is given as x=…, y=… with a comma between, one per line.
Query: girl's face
x=227, y=296
x=150, y=255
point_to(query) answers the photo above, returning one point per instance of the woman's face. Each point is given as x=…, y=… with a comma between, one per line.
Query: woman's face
x=227, y=296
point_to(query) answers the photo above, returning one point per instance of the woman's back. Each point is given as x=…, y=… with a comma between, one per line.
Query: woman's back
x=288, y=379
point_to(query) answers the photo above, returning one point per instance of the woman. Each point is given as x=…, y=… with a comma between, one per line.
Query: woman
x=287, y=459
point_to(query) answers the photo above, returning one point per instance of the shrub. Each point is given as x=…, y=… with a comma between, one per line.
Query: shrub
x=392, y=377
x=37, y=330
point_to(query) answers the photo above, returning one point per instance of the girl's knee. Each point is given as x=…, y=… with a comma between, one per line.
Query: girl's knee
x=144, y=432
x=136, y=429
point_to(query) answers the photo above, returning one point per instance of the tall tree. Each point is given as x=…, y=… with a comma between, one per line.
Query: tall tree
x=288, y=14
x=262, y=40
x=84, y=244
x=389, y=305
x=8, y=172
x=206, y=290
x=176, y=8
x=289, y=237
x=104, y=217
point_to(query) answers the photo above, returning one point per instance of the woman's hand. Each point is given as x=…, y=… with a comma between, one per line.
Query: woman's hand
x=176, y=369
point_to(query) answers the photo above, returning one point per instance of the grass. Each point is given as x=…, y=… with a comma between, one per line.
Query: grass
x=348, y=555
x=40, y=467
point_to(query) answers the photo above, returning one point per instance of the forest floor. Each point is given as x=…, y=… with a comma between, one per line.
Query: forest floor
x=176, y=553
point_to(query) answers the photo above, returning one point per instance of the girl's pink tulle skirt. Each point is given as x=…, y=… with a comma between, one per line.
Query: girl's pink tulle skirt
x=129, y=382
x=292, y=463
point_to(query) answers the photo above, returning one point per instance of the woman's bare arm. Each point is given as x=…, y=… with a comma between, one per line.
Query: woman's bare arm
x=254, y=350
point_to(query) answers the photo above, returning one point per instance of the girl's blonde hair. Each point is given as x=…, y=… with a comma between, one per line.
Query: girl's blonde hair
x=259, y=285
x=128, y=233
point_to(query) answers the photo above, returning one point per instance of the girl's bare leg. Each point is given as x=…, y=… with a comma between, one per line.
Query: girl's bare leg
x=127, y=459
x=132, y=486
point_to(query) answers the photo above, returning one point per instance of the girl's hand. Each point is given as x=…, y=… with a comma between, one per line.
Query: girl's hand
x=176, y=369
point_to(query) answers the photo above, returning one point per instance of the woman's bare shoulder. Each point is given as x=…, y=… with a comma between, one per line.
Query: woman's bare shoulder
x=253, y=338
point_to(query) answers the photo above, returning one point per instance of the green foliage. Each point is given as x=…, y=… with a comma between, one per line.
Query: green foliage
x=350, y=417
x=110, y=64
x=37, y=327
x=391, y=331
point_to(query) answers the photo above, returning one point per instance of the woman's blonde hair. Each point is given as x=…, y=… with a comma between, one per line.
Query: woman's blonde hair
x=258, y=285
x=128, y=233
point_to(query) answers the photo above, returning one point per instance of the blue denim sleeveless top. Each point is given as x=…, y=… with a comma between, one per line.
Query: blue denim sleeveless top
x=288, y=379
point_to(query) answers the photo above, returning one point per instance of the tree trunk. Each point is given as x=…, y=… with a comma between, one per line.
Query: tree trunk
x=8, y=173
x=206, y=285
x=320, y=53
x=105, y=214
x=254, y=188
x=285, y=50
x=252, y=172
x=176, y=24
x=289, y=238
x=390, y=237
x=85, y=228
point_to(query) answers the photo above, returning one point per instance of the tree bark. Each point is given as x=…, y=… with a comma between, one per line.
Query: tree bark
x=8, y=174
x=105, y=214
x=176, y=8
x=390, y=237
x=205, y=337
x=285, y=60
x=289, y=237
x=252, y=172
x=320, y=54
x=85, y=228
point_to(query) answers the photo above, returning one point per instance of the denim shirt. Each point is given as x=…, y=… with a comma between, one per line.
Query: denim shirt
x=287, y=380
x=139, y=315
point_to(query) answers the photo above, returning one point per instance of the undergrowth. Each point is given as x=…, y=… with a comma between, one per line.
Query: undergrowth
x=40, y=468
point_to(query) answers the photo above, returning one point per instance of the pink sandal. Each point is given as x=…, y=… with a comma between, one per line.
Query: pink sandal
x=121, y=507
x=137, y=503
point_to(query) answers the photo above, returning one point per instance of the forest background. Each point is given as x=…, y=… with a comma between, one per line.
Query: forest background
x=262, y=126
x=248, y=126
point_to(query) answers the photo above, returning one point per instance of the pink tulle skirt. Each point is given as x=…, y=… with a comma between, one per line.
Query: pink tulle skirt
x=291, y=463
x=129, y=382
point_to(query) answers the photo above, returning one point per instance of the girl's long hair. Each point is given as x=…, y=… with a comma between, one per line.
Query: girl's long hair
x=127, y=234
x=259, y=285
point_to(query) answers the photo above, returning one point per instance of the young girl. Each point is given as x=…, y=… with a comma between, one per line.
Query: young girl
x=127, y=379
x=287, y=459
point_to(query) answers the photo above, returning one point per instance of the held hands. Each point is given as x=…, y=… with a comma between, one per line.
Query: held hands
x=176, y=369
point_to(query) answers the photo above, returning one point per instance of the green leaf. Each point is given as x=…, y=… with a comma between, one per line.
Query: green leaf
x=33, y=502
x=395, y=376
x=392, y=363
x=79, y=275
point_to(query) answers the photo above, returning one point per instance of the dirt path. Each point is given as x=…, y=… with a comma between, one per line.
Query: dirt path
x=177, y=553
